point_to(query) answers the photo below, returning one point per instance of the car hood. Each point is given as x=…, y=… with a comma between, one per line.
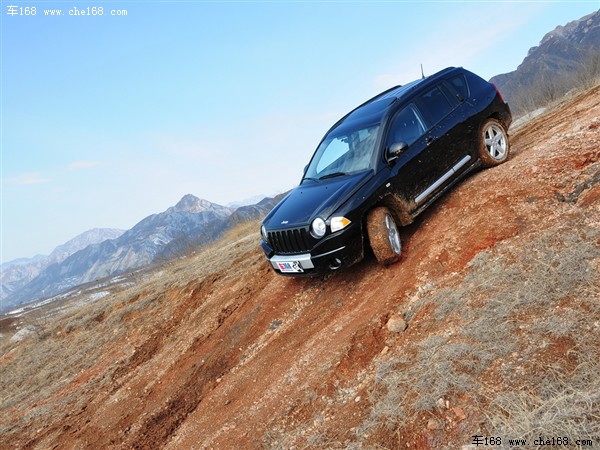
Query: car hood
x=315, y=199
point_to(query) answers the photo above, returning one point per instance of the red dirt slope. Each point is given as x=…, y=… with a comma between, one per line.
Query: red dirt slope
x=216, y=351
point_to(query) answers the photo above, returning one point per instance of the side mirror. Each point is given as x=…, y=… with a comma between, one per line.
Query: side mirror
x=304, y=171
x=396, y=150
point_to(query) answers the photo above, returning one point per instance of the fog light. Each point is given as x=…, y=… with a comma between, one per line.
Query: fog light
x=335, y=264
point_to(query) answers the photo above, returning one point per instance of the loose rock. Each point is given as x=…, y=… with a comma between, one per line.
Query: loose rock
x=396, y=324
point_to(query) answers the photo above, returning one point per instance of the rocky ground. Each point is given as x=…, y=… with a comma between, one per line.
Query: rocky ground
x=489, y=326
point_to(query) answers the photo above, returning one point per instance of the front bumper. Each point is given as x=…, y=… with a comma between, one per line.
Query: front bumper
x=301, y=262
x=335, y=251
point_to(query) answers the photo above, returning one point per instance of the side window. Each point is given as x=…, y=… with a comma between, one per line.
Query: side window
x=461, y=87
x=435, y=105
x=407, y=126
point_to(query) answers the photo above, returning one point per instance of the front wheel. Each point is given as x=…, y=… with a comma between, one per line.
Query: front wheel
x=383, y=236
x=493, y=147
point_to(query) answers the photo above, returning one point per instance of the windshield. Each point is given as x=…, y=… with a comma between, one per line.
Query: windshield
x=341, y=154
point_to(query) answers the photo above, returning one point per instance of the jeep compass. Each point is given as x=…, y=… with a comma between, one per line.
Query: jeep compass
x=380, y=166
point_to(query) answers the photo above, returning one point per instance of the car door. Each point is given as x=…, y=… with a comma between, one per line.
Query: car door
x=407, y=126
x=427, y=163
x=447, y=150
x=466, y=126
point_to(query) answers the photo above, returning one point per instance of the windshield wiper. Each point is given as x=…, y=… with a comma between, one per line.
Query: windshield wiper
x=332, y=175
x=309, y=178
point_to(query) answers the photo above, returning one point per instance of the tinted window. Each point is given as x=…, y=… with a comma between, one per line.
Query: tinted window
x=435, y=105
x=407, y=126
x=459, y=84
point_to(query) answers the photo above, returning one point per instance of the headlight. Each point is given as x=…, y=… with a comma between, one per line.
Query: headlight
x=318, y=228
x=263, y=232
x=339, y=223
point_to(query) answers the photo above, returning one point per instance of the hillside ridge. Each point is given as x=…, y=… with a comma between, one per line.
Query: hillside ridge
x=182, y=228
x=565, y=58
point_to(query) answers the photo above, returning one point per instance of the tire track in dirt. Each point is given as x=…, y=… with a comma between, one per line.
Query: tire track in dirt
x=220, y=350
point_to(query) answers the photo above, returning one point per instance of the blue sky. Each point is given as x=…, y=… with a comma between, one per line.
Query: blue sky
x=108, y=119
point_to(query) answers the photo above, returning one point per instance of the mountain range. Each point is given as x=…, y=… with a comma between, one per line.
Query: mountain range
x=566, y=56
x=17, y=273
x=100, y=253
x=194, y=222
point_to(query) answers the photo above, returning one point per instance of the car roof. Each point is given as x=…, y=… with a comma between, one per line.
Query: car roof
x=372, y=111
x=398, y=92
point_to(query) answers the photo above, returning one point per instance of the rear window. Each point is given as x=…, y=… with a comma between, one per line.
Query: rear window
x=460, y=85
x=434, y=105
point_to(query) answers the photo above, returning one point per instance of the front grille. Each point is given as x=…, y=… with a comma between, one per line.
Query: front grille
x=294, y=240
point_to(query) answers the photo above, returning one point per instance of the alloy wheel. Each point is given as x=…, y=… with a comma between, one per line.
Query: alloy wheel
x=495, y=141
x=393, y=235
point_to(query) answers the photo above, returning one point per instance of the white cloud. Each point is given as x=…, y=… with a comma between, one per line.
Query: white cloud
x=84, y=165
x=472, y=36
x=263, y=155
x=27, y=179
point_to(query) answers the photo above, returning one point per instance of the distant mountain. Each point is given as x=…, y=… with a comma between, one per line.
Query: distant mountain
x=18, y=273
x=187, y=241
x=550, y=69
x=93, y=236
x=248, y=201
x=256, y=211
x=192, y=222
x=23, y=261
x=192, y=204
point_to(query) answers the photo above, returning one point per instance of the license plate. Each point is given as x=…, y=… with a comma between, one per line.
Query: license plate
x=290, y=267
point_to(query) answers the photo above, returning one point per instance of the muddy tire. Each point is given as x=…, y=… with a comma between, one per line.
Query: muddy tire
x=383, y=236
x=493, y=146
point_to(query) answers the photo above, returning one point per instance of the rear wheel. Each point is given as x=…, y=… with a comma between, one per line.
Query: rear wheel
x=493, y=147
x=383, y=236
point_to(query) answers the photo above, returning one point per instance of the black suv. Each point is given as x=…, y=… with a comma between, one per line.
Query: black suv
x=383, y=164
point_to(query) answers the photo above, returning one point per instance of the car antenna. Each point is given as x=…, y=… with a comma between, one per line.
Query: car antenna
x=422, y=74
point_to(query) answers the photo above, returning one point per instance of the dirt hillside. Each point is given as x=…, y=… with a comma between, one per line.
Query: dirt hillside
x=498, y=287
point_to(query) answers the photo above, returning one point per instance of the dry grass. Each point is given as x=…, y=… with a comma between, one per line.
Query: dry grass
x=215, y=257
x=566, y=405
x=70, y=340
x=504, y=324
